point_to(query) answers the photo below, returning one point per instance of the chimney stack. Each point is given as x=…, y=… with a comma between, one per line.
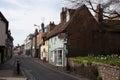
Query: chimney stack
x=42, y=27
x=63, y=15
x=51, y=26
x=36, y=31
x=99, y=13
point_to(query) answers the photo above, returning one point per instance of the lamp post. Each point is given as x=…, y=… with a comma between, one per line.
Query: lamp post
x=36, y=33
x=37, y=26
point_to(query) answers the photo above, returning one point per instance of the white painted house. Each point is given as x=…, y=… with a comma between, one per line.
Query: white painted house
x=57, y=55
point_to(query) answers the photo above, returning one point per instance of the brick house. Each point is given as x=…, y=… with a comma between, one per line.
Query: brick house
x=39, y=38
x=36, y=42
x=33, y=41
x=43, y=42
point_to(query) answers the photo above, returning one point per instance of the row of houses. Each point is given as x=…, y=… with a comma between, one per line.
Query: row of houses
x=79, y=33
x=6, y=40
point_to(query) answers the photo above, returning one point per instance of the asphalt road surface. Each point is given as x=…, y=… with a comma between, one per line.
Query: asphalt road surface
x=39, y=71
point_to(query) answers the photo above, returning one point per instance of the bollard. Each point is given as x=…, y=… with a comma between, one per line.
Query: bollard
x=18, y=67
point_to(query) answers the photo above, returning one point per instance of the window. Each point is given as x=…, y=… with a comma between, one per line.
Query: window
x=60, y=53
x=59, y=58
x=51, y=40
x=55, y=38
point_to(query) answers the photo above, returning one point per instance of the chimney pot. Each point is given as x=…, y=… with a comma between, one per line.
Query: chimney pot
x=65, y=9
x=63, y=15
x=62, y=9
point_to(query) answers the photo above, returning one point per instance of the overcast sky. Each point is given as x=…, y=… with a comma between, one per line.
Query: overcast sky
x=23, y=14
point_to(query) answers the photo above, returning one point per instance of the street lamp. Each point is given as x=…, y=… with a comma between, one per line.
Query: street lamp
x=37, y=26
x=37, y=48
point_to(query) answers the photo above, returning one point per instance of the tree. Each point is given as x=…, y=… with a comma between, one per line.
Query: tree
x=109, y=7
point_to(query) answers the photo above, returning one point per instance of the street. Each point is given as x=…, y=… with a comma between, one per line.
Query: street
x=39, y=71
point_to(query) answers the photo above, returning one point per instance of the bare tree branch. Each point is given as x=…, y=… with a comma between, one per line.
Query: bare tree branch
x=109, y=6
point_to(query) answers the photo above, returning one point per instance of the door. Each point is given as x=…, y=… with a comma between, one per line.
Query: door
x=59, y=58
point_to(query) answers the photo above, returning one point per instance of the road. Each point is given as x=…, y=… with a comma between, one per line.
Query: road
x=39, y=71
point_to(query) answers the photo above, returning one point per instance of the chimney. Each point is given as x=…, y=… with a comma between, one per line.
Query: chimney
x=36, y=31
x=99, y=13
x=9, y=32
x=63, y=15
x=42, y=27
x=51, y=26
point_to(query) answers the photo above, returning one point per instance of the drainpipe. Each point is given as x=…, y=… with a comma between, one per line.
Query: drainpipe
x=66, y=51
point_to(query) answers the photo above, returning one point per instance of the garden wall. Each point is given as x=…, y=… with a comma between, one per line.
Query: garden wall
x=108, y=72
x=95, y=70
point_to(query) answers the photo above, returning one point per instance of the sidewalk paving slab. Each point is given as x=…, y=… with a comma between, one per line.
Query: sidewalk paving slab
x=12, y=78
x=8, y=71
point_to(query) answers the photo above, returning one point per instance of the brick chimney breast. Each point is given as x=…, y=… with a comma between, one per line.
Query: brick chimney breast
x=51, y=26
x=99, y=13
x=42, y=27
x=62, y=9
x=63, y=15
x=65, y=9
x=36, y=31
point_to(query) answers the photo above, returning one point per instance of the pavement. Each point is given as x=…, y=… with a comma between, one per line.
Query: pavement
x=8, y=71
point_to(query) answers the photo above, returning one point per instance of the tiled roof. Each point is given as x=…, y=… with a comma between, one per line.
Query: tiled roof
x=3, y=18
x=58, y=29
x=62, y=26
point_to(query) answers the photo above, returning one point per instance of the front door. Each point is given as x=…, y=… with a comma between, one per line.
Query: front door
x=59, y=58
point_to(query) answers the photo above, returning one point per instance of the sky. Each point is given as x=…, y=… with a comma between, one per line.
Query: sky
x=23, y=14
